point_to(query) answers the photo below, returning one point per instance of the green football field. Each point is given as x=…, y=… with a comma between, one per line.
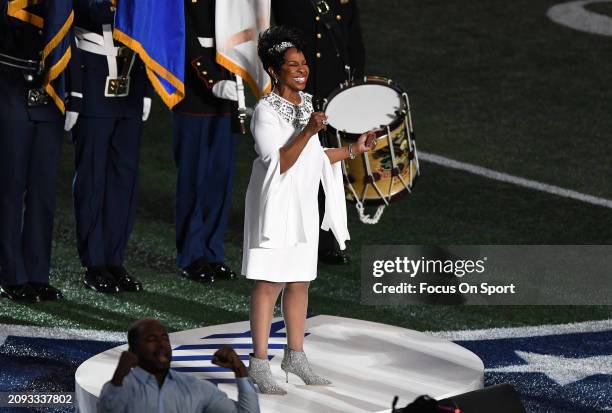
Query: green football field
x=494, y=84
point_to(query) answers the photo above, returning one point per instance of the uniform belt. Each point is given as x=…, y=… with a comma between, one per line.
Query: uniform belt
x=117, y=84
x=94, y=43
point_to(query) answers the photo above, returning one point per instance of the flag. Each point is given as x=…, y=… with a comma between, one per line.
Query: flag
x=155, y=29
x=57, y=52
x=238, y=24
x=55, y=19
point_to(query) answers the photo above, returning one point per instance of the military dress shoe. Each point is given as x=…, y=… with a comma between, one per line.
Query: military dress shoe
x=126, y=281
x=23, y=293
x=334, y=257
x=222, y=271
x=200, y=271
x=47, y=292
x=100, y=280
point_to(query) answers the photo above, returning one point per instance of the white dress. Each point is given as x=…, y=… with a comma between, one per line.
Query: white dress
x=281, y=219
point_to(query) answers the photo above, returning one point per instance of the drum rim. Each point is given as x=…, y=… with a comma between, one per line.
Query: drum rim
x=365, y=80
x=392, y=199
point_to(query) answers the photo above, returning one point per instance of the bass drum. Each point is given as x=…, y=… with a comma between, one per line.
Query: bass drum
x=389, y=170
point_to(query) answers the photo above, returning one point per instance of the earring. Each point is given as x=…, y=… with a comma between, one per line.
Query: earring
x=274, y=79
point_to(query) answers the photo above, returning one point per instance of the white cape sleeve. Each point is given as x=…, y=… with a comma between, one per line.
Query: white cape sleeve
x=280, y=220
x=335, y=204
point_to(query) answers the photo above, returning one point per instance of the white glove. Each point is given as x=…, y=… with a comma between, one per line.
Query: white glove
x=146, y=109
x=70, y=120
x=225, y=89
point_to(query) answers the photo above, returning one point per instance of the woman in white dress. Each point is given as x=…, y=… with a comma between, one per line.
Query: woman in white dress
x=281, y=225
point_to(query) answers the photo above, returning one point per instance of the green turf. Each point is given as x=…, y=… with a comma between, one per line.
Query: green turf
x=491, y=83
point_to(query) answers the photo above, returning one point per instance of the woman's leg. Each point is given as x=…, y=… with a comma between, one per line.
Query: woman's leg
x=295, y=304
x=263, y=299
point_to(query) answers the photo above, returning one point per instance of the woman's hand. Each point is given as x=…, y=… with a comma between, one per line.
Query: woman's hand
x=290, y=152
x=317, y=121
x=365, y=142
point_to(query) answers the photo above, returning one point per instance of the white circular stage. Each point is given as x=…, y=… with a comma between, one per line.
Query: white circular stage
x=368, y=363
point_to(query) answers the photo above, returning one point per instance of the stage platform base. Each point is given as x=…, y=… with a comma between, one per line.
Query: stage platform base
x=368, y=363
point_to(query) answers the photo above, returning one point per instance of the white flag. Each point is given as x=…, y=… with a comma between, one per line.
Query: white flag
x=238, y=24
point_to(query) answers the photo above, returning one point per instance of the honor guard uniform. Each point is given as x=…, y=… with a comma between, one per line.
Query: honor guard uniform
x=31, y=131
x=335, y=54
x=204, y=151
x=107, y=146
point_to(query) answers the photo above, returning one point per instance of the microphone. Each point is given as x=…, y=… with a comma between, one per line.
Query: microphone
x=317, y=105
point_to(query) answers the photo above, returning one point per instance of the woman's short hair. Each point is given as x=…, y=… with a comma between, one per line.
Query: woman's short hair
x=274, y=42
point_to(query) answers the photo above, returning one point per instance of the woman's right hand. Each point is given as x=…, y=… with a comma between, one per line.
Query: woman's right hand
x=317, y=122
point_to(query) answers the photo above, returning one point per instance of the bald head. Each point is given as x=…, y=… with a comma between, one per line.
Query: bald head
x=149, y=341
x=138, y=328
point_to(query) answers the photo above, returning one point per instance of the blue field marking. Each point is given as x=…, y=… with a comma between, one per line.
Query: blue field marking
x=221, y=381
x=553, y=373
x=216, y=346
x=246, y=334
x=203, y=369
x=274, y=328
x=274, y=333
x=205, y=357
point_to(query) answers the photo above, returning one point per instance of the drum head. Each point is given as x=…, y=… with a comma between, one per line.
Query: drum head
x=358, y=109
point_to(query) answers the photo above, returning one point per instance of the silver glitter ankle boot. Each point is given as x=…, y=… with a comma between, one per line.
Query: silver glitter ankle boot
x=260, y=374
x=296, y=362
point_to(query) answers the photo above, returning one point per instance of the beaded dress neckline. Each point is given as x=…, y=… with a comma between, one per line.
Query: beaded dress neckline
x=296, y=115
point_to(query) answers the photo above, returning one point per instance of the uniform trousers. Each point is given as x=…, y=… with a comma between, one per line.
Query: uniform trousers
x=204, y=152
x=105, y=187
x=29, y=157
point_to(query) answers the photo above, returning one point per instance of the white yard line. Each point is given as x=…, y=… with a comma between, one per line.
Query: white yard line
x=529, y=331
x=516, y=180
x=59, y=333
x=482, y=334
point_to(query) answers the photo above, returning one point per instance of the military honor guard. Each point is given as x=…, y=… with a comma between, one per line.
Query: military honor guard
x=41, y=95
x=204, y=151
x=116, y=102
x=335, y=53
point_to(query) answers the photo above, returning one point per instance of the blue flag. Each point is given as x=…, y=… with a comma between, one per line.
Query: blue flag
x=155, y=29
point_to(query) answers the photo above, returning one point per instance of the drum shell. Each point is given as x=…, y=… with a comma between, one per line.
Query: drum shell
x=381, y=167
x=390, y=185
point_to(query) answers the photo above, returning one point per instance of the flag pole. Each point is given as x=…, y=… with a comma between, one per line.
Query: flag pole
x=242, y=111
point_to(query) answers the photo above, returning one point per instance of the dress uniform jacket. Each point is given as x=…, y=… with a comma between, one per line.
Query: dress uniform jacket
x=204, y=146
x=107, y=145
x=25, y=41
x=326, y=56
x=30, y=147
x=91, y=16
x=201, y=69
